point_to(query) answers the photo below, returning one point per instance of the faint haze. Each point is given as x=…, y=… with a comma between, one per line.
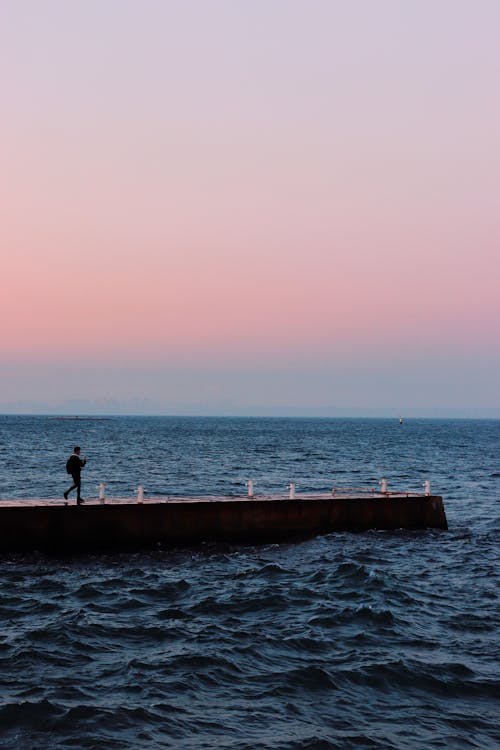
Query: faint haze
x=266, y=207
x=143, y=408
x=356, y=390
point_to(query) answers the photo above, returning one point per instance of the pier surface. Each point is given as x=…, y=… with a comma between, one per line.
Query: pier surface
x=123, y=523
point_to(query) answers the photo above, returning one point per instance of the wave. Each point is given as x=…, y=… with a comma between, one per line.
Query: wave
x=373, y=640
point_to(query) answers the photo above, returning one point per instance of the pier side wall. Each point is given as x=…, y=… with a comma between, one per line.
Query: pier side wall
x=120, y=526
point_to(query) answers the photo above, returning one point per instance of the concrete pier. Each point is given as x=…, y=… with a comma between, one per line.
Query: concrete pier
x=53, y=526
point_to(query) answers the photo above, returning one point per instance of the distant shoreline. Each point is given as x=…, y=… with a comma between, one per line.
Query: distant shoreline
x=107, y=417
x=79, y=419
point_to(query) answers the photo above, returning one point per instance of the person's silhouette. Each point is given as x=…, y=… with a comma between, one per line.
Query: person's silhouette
x=74, y=467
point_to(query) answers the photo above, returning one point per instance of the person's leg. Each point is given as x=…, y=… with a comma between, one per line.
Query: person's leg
x=70, y=490
x=78, y=484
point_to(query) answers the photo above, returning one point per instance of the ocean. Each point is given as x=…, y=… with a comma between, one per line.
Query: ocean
x=371, y=640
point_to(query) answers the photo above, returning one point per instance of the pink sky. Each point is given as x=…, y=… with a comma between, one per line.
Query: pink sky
x=245, y=204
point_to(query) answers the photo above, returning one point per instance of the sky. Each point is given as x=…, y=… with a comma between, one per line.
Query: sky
x=250, y=207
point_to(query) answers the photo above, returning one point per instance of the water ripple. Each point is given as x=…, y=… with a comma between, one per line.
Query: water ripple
x=376, y=640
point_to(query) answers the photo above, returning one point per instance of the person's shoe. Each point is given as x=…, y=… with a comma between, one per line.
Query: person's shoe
x=80, y=500
x=65, y=495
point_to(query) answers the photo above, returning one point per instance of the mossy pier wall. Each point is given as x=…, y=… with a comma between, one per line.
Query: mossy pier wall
x=54, y=527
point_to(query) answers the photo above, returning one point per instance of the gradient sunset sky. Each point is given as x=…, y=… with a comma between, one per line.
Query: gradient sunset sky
x=250, y=207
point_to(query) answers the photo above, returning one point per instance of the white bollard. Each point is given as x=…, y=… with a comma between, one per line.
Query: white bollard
x=249, y=484
x=102, y=492
x=427, y=487
x=333, y=491
x=291, y=487
x=383, y=484
x=140, y=493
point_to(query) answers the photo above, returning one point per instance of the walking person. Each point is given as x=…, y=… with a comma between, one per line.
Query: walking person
x=74, y=466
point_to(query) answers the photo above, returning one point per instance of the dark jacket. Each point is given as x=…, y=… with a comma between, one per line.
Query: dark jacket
x=75, y=464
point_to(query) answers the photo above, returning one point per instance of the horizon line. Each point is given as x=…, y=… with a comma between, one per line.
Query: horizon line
x=103, y=415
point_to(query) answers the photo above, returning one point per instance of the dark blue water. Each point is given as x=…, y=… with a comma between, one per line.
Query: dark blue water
x=373, y=640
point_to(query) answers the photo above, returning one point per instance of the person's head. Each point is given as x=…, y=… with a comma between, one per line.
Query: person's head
x=76, y=449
